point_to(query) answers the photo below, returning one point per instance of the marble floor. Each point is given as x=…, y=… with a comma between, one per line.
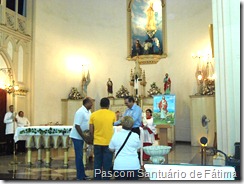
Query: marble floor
x=181, y=153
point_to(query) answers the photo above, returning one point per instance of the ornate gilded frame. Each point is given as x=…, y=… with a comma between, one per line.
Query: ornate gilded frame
x=145, y=58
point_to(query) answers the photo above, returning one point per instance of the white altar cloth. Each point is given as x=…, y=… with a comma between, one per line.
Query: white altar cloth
x=48, y=136
x=21, y=133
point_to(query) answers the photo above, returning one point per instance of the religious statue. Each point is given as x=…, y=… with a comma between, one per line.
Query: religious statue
x=167, y=84
x=84, y=83
x=151, y=23
x=110, y=88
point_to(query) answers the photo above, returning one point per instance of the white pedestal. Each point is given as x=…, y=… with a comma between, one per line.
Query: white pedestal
x=69, y=107
x=202, y=105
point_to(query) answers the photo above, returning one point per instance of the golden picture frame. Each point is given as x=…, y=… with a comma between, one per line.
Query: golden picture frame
x=146, y=31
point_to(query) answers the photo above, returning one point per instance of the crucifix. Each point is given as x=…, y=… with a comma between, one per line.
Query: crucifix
x=137, y=76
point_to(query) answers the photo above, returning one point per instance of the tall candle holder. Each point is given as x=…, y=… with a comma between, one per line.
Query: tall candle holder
x=204, y=73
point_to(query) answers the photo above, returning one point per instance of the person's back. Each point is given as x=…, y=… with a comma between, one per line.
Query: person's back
x=101, y=127
x=102, y=121
x=126, y=159
x=129, y=153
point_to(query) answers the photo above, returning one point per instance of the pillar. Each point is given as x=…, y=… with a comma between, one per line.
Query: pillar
x=226, y=26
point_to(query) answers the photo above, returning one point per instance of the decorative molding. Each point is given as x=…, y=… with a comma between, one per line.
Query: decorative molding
x=21, y=92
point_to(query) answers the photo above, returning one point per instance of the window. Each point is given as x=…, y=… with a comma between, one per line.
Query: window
x=22, y=7
x=10, y=4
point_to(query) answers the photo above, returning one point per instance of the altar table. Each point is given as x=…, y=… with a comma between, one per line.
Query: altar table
x=36, y=136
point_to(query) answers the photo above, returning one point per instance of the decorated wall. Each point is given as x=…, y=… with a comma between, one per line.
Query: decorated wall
x=71, y=37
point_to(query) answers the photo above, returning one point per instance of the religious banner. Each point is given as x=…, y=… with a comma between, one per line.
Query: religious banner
x=164, y=109
x=146, y=30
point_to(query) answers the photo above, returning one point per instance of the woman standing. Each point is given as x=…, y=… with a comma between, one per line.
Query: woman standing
x=126, y=163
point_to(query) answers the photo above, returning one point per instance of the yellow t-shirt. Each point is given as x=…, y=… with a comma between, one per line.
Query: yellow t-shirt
x=102, y=121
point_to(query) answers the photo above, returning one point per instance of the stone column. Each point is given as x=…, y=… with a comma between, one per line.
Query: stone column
x=226, y=26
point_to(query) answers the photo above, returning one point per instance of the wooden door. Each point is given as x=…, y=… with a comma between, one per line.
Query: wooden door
x=3, y=103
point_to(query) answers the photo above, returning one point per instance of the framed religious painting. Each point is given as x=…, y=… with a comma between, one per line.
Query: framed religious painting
x=146, y=31
x=164, y=109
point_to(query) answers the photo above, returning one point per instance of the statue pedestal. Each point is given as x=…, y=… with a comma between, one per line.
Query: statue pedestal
x=69, y=107
x=163, y=137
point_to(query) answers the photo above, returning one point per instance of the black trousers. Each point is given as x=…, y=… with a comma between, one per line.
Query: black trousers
x=10, y=143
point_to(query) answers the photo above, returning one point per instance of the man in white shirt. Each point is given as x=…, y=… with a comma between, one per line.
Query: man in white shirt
x=81, y=123
x=21, y=122
x=10, y=121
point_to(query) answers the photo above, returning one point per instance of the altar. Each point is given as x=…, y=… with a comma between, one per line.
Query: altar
x=47, y=137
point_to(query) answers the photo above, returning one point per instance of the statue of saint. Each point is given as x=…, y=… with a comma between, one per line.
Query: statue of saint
x=84, y=83
x=151, y=25
x=167, y=84
x=110, y=88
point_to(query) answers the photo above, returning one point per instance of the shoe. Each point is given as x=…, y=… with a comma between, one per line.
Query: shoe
x=87, y=177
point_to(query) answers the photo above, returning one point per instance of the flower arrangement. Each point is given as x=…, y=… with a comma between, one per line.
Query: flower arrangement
x=46, y=131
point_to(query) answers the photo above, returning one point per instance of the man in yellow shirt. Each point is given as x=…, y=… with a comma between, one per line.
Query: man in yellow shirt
x=101, y=127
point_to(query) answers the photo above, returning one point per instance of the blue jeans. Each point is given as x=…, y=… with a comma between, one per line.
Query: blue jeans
x=102, y=162
x=80, y=170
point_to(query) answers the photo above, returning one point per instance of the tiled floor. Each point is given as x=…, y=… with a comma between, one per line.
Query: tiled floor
x=181, y=153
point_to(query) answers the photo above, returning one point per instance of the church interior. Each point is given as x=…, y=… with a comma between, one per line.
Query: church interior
x=55, y=53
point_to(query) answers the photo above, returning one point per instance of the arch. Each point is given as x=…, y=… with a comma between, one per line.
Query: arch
x=21, y=50
x=7, y=61
x=20, y=43
x=10, y=39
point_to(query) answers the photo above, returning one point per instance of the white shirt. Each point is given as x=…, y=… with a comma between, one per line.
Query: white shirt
x=8, y=120
x=22, y=121
x=149, y=138
x=82, y=117
x=127, y=159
